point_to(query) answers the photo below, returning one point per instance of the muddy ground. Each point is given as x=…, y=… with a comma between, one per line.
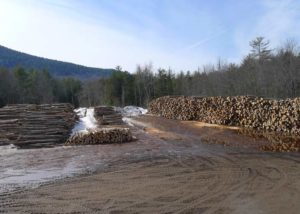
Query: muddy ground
x=174, y=167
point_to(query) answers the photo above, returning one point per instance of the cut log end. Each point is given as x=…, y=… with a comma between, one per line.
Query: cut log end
x=102, y=136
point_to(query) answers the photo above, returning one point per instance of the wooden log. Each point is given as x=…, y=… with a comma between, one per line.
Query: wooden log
x=11, y=121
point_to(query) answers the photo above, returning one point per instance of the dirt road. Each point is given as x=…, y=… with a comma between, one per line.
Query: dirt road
x=170, y=170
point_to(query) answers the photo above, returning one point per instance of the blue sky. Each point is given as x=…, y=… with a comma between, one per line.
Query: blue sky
x=181, y=34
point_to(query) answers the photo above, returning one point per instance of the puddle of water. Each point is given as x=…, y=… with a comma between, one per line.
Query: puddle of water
x=33, y=167
x=29, y=168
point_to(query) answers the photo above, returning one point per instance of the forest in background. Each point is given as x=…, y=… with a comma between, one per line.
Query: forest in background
x=266, y=72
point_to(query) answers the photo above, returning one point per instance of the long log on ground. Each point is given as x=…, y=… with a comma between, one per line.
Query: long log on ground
x=11, y=121
x=52, y=141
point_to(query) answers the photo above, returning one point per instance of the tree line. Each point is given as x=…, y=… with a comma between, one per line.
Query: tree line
x=20, y=86
x=271, y=73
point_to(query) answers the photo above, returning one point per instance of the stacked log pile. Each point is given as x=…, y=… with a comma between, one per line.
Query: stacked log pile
x=244, y=111
x=101, y=136
x=277, y=142
x=36, y=125
x=107, y=115
x=293, y=146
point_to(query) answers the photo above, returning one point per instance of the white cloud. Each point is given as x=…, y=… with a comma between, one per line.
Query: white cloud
x=205, y=40
x=67, y=31
x=45, y=32
x=280, y=21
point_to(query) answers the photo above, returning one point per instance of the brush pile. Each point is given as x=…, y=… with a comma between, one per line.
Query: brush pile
x=107, y=115
x=36, y=125
x=244, y=111
x=101, y=136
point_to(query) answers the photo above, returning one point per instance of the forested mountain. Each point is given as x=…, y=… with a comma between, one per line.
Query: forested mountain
x=10, y=59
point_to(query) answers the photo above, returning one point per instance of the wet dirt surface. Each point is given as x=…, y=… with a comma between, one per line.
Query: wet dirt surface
x=168, y=170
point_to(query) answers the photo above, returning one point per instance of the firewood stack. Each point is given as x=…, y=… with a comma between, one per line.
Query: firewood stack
x=101, y=136
x=36, y=125
x=277, y=142
x=107, y=115
x=244, y=111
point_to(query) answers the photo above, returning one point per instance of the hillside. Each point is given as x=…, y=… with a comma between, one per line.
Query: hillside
x=10, y=58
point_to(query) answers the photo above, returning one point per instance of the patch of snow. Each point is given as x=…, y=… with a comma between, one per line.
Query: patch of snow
x=86, y=121
x=127, y=120
x=130, y=111
x=7, y=149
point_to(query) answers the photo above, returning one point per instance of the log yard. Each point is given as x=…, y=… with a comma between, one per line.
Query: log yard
x=149, y=107
x=183, y=155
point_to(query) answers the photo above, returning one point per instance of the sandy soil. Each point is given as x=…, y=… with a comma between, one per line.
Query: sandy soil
x=171, y=170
